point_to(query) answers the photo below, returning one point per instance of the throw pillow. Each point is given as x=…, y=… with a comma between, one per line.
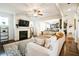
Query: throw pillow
x=49, y=43
x=13, y=53
x=12, y=50
x=39, y=41
x=59, y=35
x=22, y=47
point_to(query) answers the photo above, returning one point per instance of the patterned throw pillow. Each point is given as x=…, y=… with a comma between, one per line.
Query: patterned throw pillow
x=22, y=47
x=12, y=49
x=49, y=43
x=13, y=53
x=38, y=40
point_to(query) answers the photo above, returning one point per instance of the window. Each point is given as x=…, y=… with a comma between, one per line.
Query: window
x=42, y=26
x=3, y=20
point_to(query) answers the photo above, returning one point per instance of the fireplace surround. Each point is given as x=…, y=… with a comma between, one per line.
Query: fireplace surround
x=23, y=35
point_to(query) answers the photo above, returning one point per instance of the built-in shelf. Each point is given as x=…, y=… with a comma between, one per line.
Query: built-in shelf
x=4, y=35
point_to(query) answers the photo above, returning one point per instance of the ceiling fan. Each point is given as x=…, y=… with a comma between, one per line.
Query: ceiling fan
x=38, y=12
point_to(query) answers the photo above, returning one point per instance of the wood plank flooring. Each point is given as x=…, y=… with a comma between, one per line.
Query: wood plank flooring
x=69, y=48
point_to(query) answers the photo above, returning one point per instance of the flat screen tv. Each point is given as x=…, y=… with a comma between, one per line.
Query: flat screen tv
x=23, y=23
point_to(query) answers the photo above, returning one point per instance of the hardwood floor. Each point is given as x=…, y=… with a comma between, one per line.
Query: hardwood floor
x=69, y=48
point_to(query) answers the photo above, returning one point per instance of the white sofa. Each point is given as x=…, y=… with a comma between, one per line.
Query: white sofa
x=34, y=49
x=28, y=48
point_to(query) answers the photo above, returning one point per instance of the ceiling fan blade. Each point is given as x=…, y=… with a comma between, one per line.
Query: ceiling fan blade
x=40, y=14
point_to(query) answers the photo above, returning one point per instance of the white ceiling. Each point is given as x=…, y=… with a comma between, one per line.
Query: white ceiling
x=49, y=10
x=69, y=9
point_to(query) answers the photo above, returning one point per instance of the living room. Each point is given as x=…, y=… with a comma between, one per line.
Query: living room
x=33, y=25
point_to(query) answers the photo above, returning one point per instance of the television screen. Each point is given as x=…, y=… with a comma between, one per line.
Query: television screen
x=24, y=23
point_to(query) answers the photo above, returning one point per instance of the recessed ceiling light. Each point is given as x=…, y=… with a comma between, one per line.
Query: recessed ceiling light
x=69, y=10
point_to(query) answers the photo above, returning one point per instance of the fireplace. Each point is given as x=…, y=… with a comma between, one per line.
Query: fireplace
x=23, y=35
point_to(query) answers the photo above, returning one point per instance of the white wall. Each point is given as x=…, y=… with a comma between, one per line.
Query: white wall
x=36, y=25
x=24, y=17
x=77, y=30
x=70, y=22
x=42, y=26
x=11, y=23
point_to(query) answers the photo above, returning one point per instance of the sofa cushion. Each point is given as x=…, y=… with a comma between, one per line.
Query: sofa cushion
x=12, y=49
x=13, y=52
x=22, y=47
x=38, y=40
x=34, y=49
x=47, y=36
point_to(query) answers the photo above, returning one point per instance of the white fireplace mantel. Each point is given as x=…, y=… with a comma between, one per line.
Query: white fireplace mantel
x=21, y=29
